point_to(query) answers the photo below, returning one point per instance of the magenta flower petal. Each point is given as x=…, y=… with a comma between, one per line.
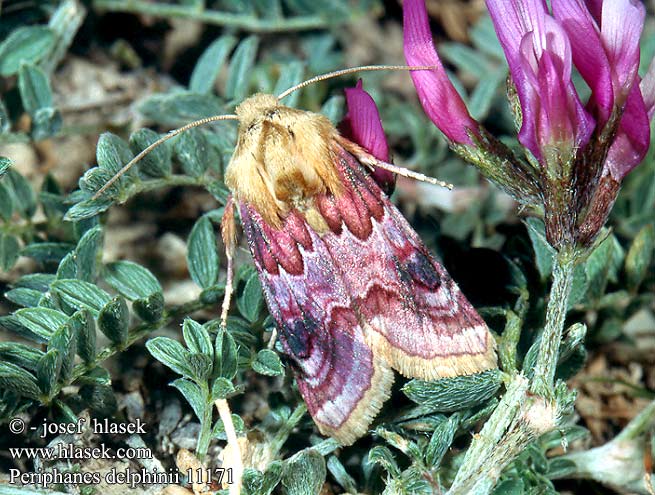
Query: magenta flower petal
x=632, y=138
x=605, y=41
x=539, y=56
x=621, y=24
x=363, y=126
x=647, y=87
x=438, y=96
x=362, y=123
x=589, y=56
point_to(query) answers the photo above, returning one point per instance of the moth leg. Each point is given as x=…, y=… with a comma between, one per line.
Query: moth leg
x=232, y=454
x=228, y=233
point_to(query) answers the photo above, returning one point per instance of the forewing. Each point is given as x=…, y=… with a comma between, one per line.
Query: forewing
x=339, y=375
x=412, y=312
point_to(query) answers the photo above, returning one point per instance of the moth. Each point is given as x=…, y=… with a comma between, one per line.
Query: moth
x=354, y=292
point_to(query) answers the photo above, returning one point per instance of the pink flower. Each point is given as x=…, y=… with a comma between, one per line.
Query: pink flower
x=539, y=56
x=605, y=40
x=363, y=126
x=438, y=96
x=584, y=151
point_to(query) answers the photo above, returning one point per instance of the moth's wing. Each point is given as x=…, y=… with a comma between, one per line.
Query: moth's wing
x=339, y=376
x=413, y=313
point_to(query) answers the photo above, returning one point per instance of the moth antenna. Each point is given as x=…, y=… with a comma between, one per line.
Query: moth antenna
x=342, y=72
x=171, y=134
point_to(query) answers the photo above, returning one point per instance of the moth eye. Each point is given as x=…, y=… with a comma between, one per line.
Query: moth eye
x=272, y=113
x=291, y=133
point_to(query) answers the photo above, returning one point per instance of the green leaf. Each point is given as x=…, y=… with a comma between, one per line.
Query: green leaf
x=64, y=342
x=81, y=295
x=84, y=329
x=251, y=301
x=112, y=153
x=221, y=388
x=26, y=298
x=24, y=45
x=170, y=353
x=268, y=363
x=157, y=163
x=9, y=249
x=181, y=107
x=12, y=324
x=34, y=88
x=557, y=469
x=200, y=365
x=5, y=163
x=466, y=59
x=150, y=308
x=100, y=398
x=18, y=380
x=47, y=252
x=114, y=320
x=510, y=487
x=291, y=74
x=237, y=86
x=454, y=394
x=194, y=153
x=197, y=338
x=67, y=267
x=87, y=253
x=46, y=122
x=47, y=372
x=36, y=96
x=210, y=63
x=341, y=475
x=484, y=94
x=87, y=209
x=41, y=321
x=202, y=256
x=95, y=178
x=192, y=394
x=639, y=257
x=441, y=440
x=36, y=281
x=333, y=108
x=384, y=457
x=304, y=473
x=5, y=127
x=131, y=280
x=543, y=251
x=24, y=198
x=218, y=431
x=20, y=354
x=225, y=355
x=6, y=203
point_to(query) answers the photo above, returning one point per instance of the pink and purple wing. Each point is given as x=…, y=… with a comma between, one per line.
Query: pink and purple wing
x=413, y=314
x=342, y=381
x=360, y=298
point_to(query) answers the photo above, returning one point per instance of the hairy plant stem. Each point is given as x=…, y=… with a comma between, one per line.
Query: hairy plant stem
x=205, y=435
x=527, y=410
x=544, y=371
x=240, y=21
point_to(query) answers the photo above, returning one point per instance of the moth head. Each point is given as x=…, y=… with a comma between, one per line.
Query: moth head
x=252, y=109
